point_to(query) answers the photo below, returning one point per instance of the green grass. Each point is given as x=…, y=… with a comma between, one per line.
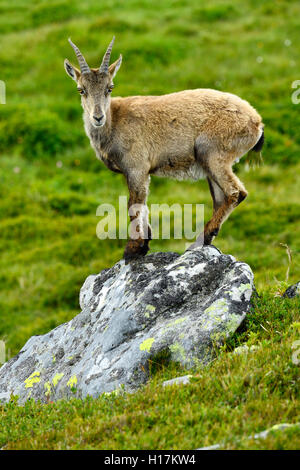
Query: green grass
x=234, y=397
x=48, y=212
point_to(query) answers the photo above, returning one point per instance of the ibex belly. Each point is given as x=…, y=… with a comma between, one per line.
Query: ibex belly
x=190, y=170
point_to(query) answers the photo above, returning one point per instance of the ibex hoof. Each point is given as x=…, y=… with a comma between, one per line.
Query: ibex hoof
x=135, y=249
x=197, y=244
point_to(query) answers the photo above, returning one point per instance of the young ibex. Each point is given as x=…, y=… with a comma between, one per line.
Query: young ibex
x=190, y=134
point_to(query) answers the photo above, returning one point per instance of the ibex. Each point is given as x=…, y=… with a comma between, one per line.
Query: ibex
x=191, y=134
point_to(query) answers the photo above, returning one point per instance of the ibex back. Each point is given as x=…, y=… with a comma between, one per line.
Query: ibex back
x=191, y=134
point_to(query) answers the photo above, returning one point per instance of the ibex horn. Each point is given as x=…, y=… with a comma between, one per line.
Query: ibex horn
x=105, y=61
x=81, y=60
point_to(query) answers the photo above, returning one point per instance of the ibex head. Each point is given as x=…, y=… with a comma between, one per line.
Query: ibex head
x=94, y=85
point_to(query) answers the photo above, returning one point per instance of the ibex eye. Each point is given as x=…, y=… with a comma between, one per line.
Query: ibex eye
x=110, y=89
x=81, y=91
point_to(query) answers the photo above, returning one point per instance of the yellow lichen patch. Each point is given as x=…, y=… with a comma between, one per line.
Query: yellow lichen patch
x=244, y=287
x=72, y=381
x=47, y=387
x=149, y=309
x=178, y=350
x=57, y=378
x=146, y=345
x=32, y=379
x=176, y=322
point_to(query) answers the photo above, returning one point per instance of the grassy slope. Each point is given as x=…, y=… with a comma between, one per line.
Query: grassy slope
x=47, y=213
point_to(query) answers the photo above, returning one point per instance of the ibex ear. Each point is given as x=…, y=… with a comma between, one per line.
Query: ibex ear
x=113, y=68
x=72, y=71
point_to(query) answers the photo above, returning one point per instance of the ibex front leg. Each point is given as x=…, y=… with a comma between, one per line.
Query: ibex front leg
x=140, y=231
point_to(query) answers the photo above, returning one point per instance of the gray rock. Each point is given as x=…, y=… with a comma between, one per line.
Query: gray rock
x=183, y=380
x=292, y=291
x=260, y=435
x=244, y=349
x=162, y=304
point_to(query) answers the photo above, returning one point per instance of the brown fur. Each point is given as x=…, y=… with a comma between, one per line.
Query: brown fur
x=189, y=134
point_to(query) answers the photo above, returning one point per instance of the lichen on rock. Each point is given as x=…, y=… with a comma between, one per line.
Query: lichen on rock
x=186, y=305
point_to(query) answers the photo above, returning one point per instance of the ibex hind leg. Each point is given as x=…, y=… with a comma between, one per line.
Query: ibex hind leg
x=217, y=194
x=218, y=198
x=227, y=193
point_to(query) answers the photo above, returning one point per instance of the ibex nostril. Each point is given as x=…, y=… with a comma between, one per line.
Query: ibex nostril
x=98, y=118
